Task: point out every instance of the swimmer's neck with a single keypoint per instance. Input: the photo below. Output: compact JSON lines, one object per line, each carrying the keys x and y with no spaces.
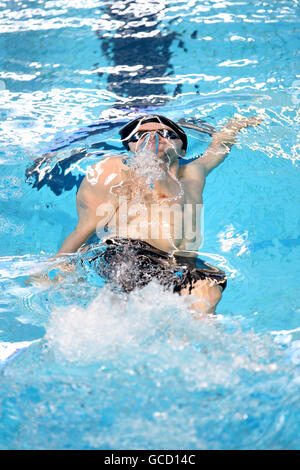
{"x":170,"y":166}
{"x":171,"y":170}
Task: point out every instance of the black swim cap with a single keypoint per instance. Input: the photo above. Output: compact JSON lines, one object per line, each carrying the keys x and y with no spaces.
{"x":126,"y":131}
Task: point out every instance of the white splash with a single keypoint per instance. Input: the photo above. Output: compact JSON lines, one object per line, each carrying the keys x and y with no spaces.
{"x":113,"y":323}
{"x":146,"y":164}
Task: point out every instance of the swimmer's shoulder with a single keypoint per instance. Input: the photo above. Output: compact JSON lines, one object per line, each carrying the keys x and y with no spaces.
{"x":194,"y":170}
{"x":100,"y":171}
{"x":109,"y":163}
{"x":101,"y":176}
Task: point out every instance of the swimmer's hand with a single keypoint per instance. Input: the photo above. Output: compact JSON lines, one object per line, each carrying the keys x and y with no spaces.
{"x":53,"y":275}
{"x":240,"y":122}
{"x":37,"y":279}
{"x":224,"y":139}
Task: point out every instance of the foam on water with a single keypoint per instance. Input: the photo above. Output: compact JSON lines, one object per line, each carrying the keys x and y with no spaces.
{"x":158,"y":324}
{"x":138,"y":371}
{"x":114,"y":323}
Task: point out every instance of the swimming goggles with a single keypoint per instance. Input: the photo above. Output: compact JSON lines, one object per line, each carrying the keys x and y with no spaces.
{"x":165,"y":133}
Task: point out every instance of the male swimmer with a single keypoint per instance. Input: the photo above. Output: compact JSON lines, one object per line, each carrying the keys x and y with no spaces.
{"x":146,"y":202}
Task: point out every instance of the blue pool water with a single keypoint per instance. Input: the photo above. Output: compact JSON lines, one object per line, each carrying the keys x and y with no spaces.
{"x":82,"y":367}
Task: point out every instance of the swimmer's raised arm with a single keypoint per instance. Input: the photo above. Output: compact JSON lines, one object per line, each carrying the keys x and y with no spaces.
{"x":223,"y":140}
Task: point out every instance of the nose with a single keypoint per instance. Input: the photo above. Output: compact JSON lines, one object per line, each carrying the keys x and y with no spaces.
{"x":151,"y":139}
{"x":153,"y":135}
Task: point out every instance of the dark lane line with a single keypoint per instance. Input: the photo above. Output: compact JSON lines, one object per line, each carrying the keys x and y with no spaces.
{"x":143,"y":43}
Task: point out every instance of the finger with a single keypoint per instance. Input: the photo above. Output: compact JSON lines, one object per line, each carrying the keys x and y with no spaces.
{"x":254,"y":121}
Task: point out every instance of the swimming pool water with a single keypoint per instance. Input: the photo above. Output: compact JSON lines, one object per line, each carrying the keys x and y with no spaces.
{"x":82,"y":367}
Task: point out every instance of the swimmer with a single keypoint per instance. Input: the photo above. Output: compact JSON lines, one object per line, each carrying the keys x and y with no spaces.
{"x":141,"y":200}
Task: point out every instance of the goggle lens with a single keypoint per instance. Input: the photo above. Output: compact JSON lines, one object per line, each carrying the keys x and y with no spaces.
{"x":165,"y":133}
